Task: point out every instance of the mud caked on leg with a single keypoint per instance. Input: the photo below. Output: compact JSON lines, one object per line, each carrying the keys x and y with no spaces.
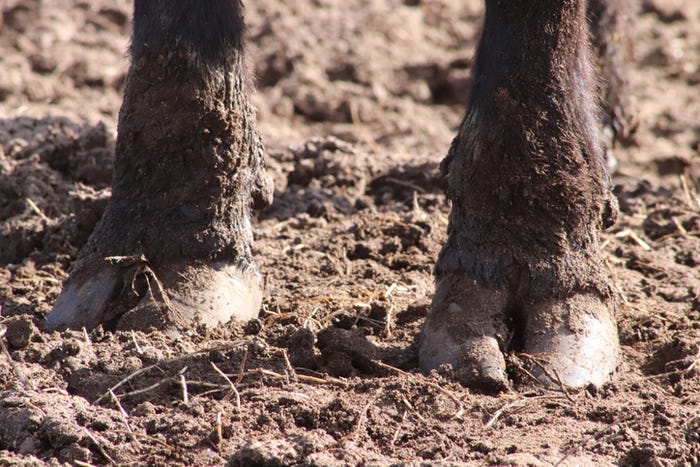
{"x":173,"y":246}
{"x":526,"y":175}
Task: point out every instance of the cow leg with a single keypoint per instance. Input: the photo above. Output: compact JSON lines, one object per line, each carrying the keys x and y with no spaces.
{"x":527,"y":179}
{"x":173,"y":246}
{"x":609,"y":20}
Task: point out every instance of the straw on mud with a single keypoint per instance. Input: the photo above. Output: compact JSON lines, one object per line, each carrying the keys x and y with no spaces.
{"x":517,"y":404}
{"x":552,"y":377}
{"x":689,"y":197}
{"x":679,"y":226}
{"x":631,"y":234}
{"x":124,"y":415}
{"x":389,"y":321}
{"x":143,"y":370}
{"x":362,"y":129}
{"x":410,"y":408}
{"x":136,"y":344}
{"x":83,"y":464}
{"x":146,"y":389}
{"x":310,"y":319}
{"x":219,"y":431}
{"x":99,"y":447}
{"x":185,"y":395}
{"x":233,"y":390}
{"x":18,"y":371}
{"x":290,"y":368}
{"x":458,"y":403}
{"x":241,"y":369}
{"x":398,"y":428}
{"x":38,"y":211}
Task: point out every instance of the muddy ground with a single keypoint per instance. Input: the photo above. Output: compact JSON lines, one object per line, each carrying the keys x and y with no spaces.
{"x":358,"y":101}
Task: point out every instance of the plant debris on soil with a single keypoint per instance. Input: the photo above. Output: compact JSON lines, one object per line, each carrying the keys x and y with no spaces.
{"x":357,"y":103}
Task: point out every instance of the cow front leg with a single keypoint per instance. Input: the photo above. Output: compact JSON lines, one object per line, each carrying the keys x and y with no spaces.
{"x":174,"y":244}
{"x":528,"y":184}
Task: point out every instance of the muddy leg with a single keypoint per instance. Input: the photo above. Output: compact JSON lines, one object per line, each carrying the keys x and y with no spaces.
{"x":526,"y":175}
{"x":610,"y":24}
{"x":173,"y":246}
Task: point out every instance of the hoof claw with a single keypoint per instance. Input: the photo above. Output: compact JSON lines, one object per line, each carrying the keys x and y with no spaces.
{"x":575,"y":340}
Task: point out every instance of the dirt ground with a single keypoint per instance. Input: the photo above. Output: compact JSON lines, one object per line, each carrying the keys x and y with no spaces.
{"x":358,"y":101}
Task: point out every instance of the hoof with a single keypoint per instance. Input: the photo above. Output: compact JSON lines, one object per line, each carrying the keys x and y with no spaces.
{"x":83,"y":304}
{"x":574,"y":341}
{"x":464,"y":329}
{"x":175,"y":296}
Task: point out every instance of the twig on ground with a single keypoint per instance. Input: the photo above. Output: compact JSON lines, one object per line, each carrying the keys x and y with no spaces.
{"x":629,"y":233}
{"x":460,"y":407}
{"x":405,"y":184}
{"x":136,"y":344}
{"x":83,"y":464}
{"x":691,"y":199}
{"x":413,"y":411}
{"x":124,"y":415}
{"x":555,"y":378}
{"x":241,"y":369}
{"x":38,"y":211}
{"x":290,"y":368}
{"x":519,"y":403}
{"x":233,"y":390}
{"x":219,"y":431}
{"x":99,"y":447}
{"x":398,"y":428}
{"x":165,"y":362}
{"x":185,"y":395}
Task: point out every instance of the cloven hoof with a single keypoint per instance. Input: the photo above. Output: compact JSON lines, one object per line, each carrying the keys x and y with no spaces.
{"x":571,"y":342}
{"x":178,"y":296}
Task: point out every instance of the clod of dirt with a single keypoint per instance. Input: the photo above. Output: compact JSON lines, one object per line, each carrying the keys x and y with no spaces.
{"x":347,"y":351}
{"x":272,"y":453}
{"x":20,"y":330}
{"x":330,"y":161}
{"x":301,"y":349}
{"x":676,"y":356}
{"x":642,"y":456}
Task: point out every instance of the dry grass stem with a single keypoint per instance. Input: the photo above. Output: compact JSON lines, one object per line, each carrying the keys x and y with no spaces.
{"x":516,"y":405}
{"x":629,"y":233}
{"x":167,"y":362}
{"x":124,"y":415}
{"x":219,"y":431}
{"x":233,"y":390}
{"x":552,"y":375}
{"x":80,"y":463}
{"x":460,"y":407}
{"x":185,"y":395}
{"x":38,"y":211}
{"x":99,"y":447}
{"x":136,"y":344}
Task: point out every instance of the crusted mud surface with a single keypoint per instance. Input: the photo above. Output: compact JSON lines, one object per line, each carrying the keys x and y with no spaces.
{"x":357,"y":101}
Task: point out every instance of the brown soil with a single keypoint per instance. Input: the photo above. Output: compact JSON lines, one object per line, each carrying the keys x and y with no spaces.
{"x":358,"y":101}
